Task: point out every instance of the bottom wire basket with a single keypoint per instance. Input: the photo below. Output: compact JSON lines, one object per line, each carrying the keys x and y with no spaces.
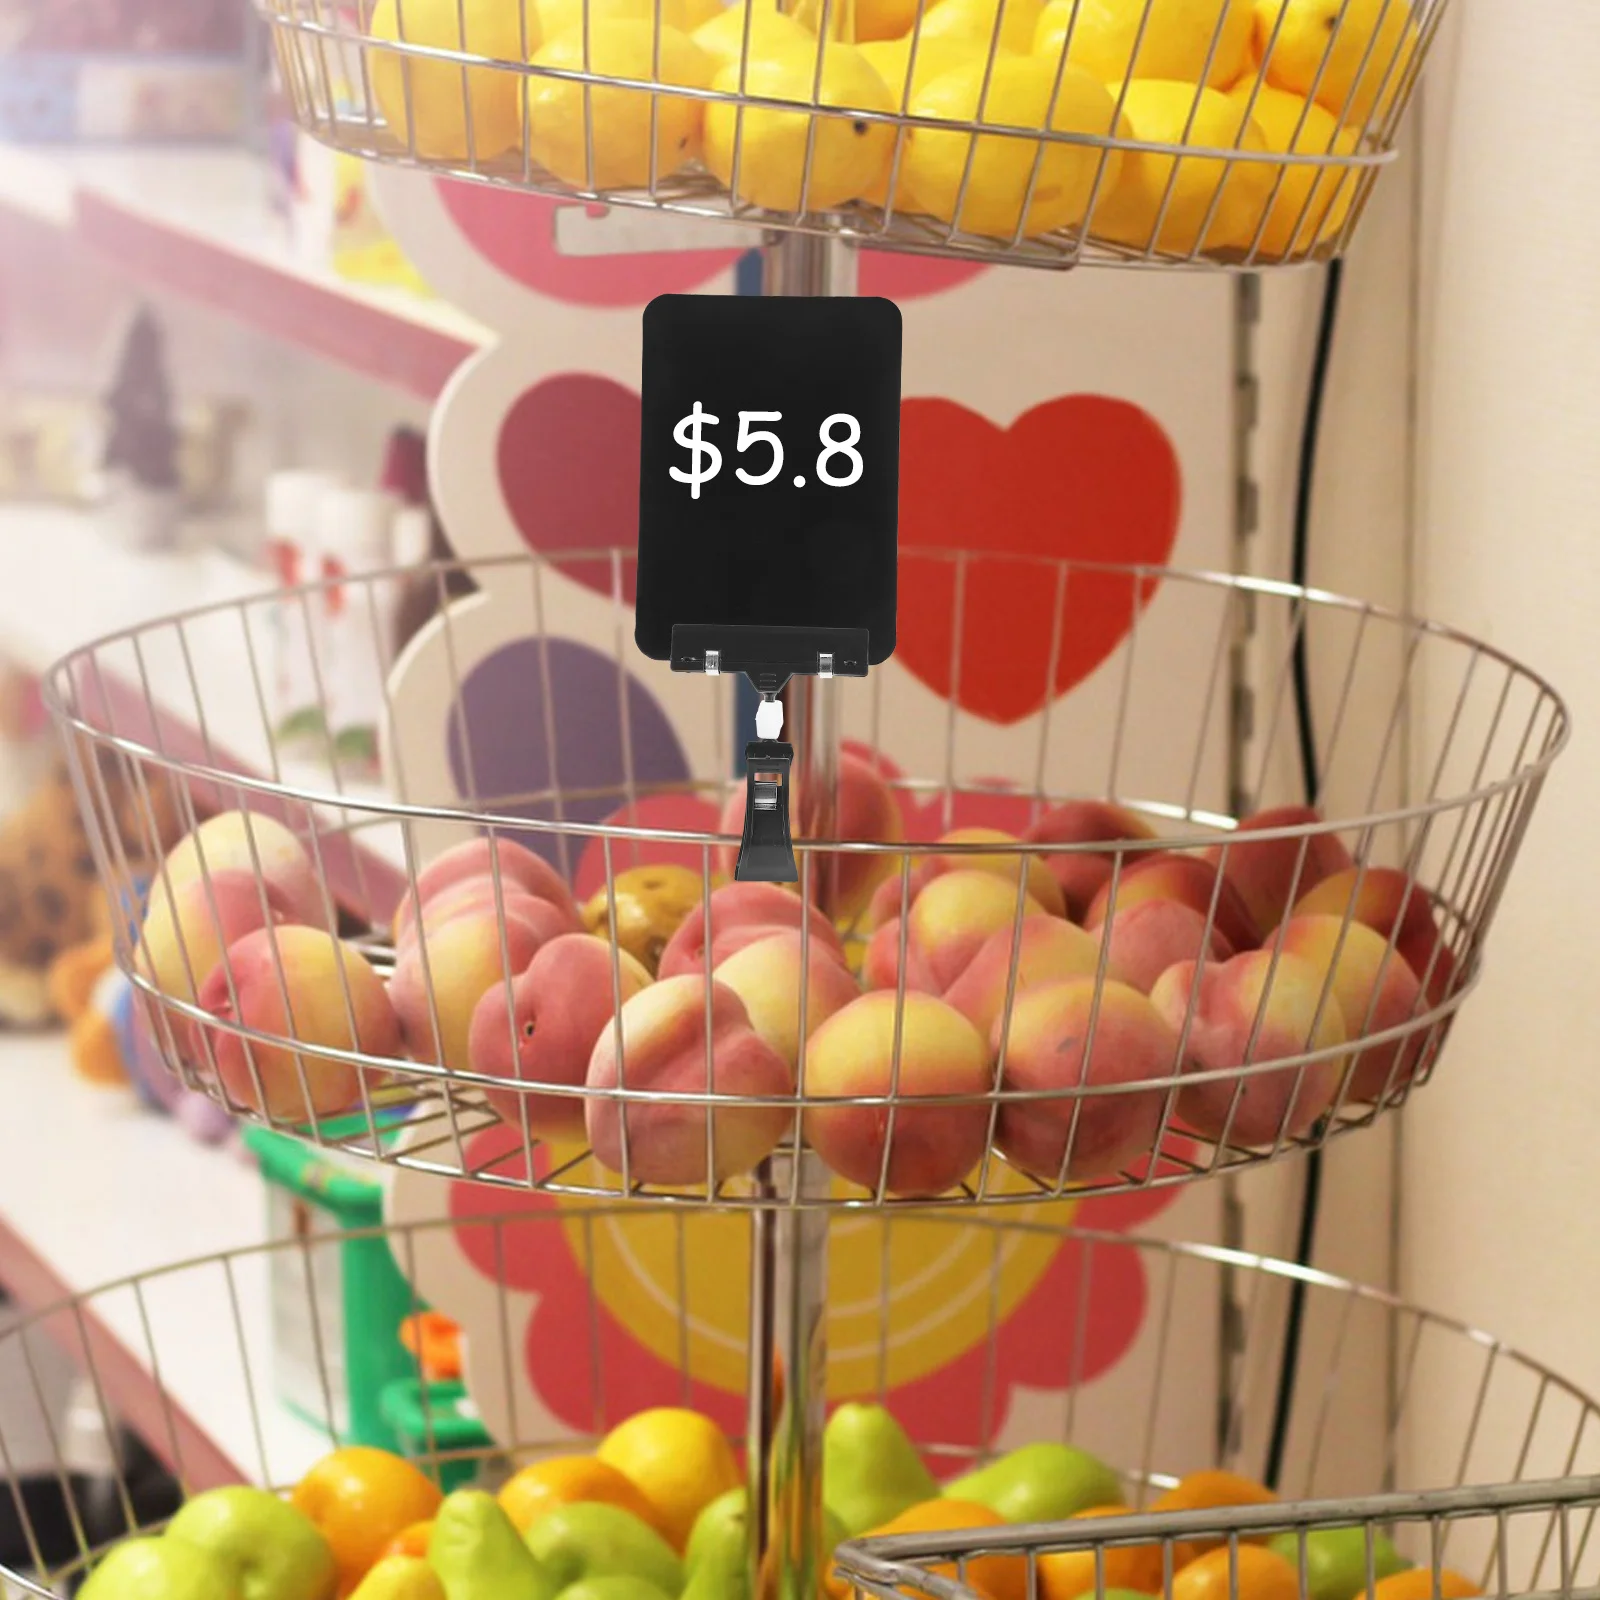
{"x":242,"y":1366}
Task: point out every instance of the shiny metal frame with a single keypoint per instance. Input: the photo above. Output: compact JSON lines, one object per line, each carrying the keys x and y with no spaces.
{"x":1478,"y":767}
{"x":1460,"y":1408}
{"x":338,"y":77}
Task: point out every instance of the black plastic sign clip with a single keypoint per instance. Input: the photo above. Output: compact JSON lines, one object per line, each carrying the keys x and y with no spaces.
{"x":766,"y":854}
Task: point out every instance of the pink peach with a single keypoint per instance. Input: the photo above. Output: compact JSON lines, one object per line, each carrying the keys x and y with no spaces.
{"x":1148,"y":937}
{"x":881,"y":967}
{"x":1231,"y":1006}
{"x":477,"y":897}
{"x":1270,"y":875}
{"x":1375,"y":990}
{"x":956,"y":914}
{"x":895,"y":894}
{"x":665,"y":1049}
{"x":1170,"y":875}
{"x":1062,"y":1042}
{"x":518,"y":867}
{"x":246,"y":841}
{"x":741,"y":913}
{"x":457,"y":964}
{"x":302,"y":985}
{"x":558,"y":1009}
{"x":1380,"y":897}
{"x":1082,"y":873}
{"x":766,"y":976}
{"x":1050,"y":949}
{"x":185,"y":932}
{"x":929,"y":1147}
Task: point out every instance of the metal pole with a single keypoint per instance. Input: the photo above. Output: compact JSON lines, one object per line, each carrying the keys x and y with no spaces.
{"x":788,"y":1380}
{"x":789,"y":1245}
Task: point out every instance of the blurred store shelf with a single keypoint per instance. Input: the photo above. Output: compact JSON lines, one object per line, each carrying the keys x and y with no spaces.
{"x":197,"y":223}
{"x":72,"y":1155}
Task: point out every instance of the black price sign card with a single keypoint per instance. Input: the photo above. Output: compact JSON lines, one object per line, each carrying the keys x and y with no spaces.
{"x":769,"y":483}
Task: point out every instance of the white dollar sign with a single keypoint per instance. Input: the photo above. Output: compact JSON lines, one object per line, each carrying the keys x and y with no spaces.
{"x":687,"y":433}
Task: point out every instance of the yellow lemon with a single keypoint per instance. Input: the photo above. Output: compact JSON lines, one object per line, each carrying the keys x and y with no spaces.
{"x":893,"y":60}
{"x":680,"y":1460}
{"x":1184,"y":39}
{"x":1002,"y":164}
{"x":1355,"y":52}
{"x":1306,"y":204}
{"x":696,"y":13}
{"x":976,"y":22}
{"x":616,"y":122}
{"x":556,"y":17}
{"x":435,"y":108}
{"x":1201,"y":202}
{"x":885,"y":19}
{"x":723,"y":37}
{"x":848,"y":155}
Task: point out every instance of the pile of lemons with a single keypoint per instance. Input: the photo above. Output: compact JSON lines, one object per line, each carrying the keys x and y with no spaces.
{"x":1279,"y":78}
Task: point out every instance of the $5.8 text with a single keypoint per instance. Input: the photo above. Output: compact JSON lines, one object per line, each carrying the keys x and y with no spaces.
{"x":838,"y":465}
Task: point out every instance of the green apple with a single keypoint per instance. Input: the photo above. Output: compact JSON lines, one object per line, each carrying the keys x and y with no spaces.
{"x":619,"y":1586}
{"x":871,"y":1471}
{"x":591,"y":1539}
{"x":273,"y":1551}
{"x":1336,"y":1560}
{"x":1040,"y":1483}
{"x":479,"y":1555}
{"x":160,"y":1569}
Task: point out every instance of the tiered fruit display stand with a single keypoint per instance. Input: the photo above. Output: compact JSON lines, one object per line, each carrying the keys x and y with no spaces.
{"x":1423,"y":879}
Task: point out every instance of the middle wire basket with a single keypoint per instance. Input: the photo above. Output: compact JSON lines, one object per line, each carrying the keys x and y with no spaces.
{"x":1046,"y":951}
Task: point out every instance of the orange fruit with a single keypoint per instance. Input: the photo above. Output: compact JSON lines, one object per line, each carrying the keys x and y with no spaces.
{"x":1211,"y":1490}
{"x":1261,"y":1574}
{"x":571,"y":1480}
{"x":412,"y":1541}
{"x":1069,"y":1573}
{"x":361,"y":1499}
{"x":1418,"y":1584}
{"x":995,"y":1577}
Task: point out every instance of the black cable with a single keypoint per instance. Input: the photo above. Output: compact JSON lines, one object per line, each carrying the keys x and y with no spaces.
{"x":1311,"y":779}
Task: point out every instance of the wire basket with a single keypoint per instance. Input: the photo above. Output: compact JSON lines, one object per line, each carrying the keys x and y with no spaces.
{"x":1032,"y":1027}
{"x":1388,"y":1395}
{"x":1214,"y":134}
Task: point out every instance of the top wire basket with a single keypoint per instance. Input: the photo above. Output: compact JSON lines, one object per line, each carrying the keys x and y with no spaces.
{"x":1051,"y":960}
{"x":1040,"y":132}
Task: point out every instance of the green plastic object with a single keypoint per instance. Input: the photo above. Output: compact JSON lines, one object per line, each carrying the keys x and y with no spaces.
{"x":357,"y":1299}
{"x":436,"y":1419}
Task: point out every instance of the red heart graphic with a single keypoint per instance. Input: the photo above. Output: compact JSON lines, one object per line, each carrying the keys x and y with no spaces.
{"x":1083,"y":477}
{"x":515,"y":233}
{"x":569,"y":470}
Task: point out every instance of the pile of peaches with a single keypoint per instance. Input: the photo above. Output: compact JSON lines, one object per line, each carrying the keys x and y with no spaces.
{"x":1067,"y":998}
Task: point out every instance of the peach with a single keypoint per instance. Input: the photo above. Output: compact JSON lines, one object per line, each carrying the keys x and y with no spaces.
{"x":1380,"y":897}
{"x":881,"y":967}
{"x":956,"y":914}
{"x":1171,"y":875}
{"x":766,"y":976}
{"x":461,"y":962}
{"x":1270,"y":874}
{"x":1152,"y":935}
{"x":185,"y":932}
{"x":1051,"y":949}
{"x":477,"y":896}
{"x":1049,"y":1047}
{"x":301,"y":984}
{"x":1375,"y":990}
{"x":930,"y":1148}
{"x":557,"y":1010}
{"x":741,"y":914}
{"x":865,"y":810}
{"x":887,"y":897}
{"x":1041,"y":885}
{"x":518,"y":866}
{"x":1082,"y":873}
{"x":246,"y":841}
{"x":1226,"y":1002}
{"x":665,"y":1049}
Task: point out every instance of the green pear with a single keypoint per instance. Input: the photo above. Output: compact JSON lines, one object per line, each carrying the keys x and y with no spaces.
{"x":479,"y":1555}
{"x":723,"y":1572}
{"x":592,"y":1539}
{"x":273,"y":1551}
{"x":161,"y":1569}
{"x":721,"y":1531}
{"x":618,"y":1586}
{"x":871,"y":1471}
{"x":1336,"y":1560}
{"x":1040,"y":1483}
